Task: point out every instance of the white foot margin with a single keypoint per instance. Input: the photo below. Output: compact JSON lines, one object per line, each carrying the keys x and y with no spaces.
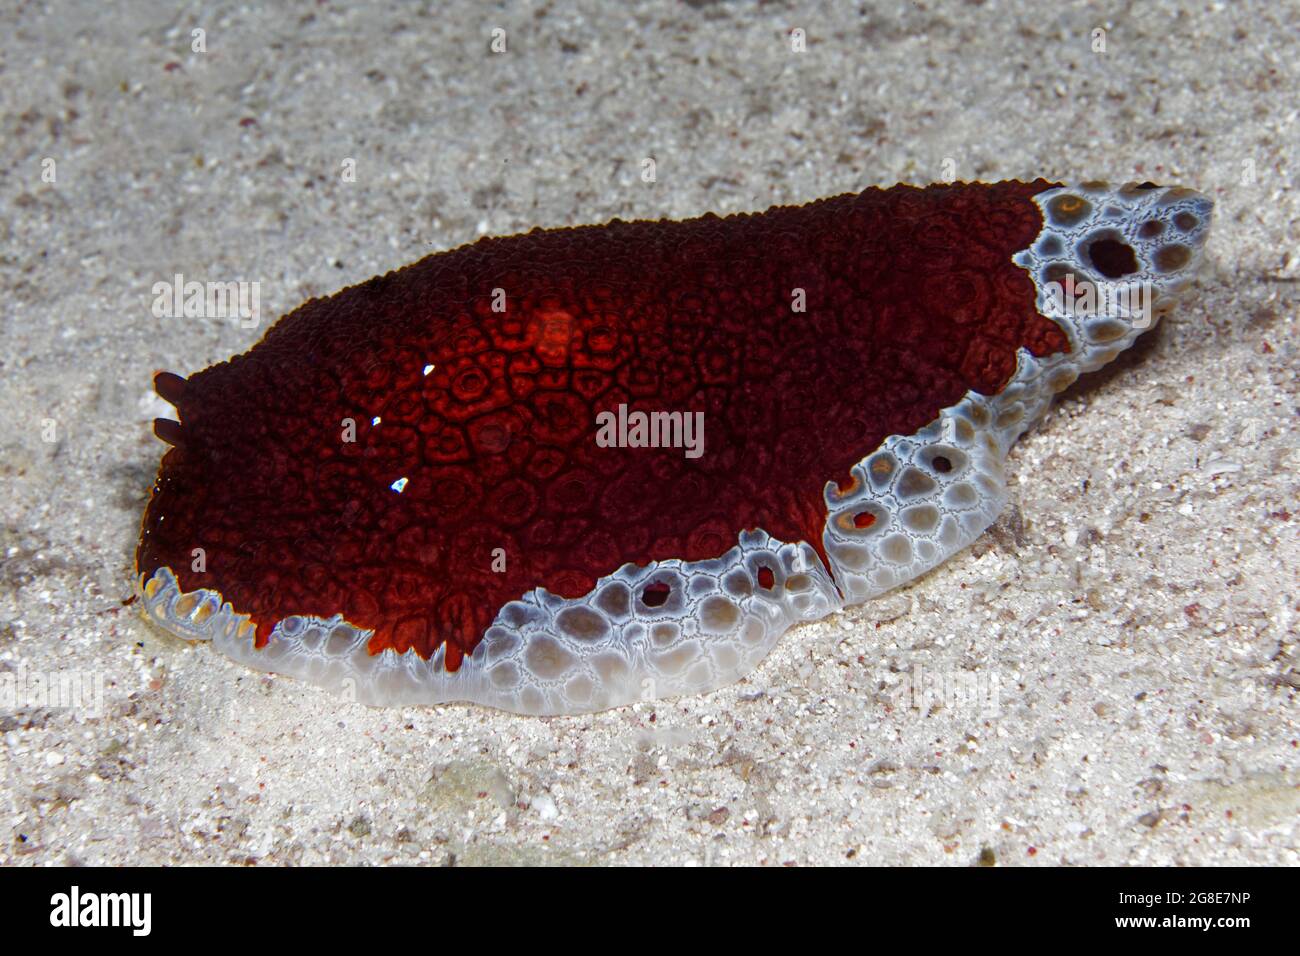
{"x":545,"y":654}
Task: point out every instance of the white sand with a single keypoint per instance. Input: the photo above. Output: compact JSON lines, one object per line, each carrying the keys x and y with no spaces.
{"x":1138,"y":615}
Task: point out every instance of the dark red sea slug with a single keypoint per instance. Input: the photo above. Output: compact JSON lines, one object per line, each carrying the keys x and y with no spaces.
{"x":534,"y":470}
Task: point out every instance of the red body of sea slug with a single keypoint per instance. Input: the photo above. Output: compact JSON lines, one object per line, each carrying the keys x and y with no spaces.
{"x":565,"y":470}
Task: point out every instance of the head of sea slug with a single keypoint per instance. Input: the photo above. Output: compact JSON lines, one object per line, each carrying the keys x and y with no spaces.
{"x":1110,"y":260}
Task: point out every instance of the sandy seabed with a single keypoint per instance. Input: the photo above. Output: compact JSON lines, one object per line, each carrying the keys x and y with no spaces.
{"x":1132,"y":616}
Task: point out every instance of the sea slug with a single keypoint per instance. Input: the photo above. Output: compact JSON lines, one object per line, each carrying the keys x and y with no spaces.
{"x":567,"y":470}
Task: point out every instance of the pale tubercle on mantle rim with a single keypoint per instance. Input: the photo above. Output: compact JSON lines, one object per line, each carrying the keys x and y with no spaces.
{"x":720,"y":625}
